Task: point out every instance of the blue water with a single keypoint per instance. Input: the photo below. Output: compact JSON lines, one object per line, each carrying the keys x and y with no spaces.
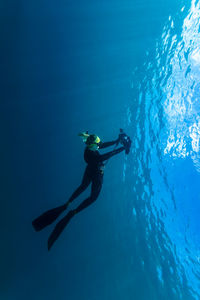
{"x":99,"y":66}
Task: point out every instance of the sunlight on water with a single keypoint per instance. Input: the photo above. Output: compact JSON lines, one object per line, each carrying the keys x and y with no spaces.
{"x":179,"y":84}
{"x":167,"y":126}
{"x":182,"y":105}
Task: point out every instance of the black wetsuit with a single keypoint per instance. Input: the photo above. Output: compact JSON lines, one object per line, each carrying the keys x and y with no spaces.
{"x":93,"y":173}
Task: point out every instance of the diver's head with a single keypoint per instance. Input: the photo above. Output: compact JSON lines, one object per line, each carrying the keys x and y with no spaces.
{"x":92,"y":142}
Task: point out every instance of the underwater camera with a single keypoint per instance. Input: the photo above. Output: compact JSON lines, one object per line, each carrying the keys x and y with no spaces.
{"x":125,"y":140}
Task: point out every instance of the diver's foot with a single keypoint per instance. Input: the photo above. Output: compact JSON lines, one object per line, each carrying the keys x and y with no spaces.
{"x":59,"y":228}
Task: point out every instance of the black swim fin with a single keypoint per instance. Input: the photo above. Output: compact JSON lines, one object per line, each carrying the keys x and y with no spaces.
{"x":59,"y":228}
{"x":48,"y":217}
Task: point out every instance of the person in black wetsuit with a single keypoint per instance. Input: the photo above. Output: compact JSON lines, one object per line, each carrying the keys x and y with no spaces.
{"x":93,"y":174}
{"x":94,"y":170}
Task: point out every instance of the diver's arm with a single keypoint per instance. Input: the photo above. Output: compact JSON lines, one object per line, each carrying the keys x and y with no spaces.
{"x":107,"y":144}
{"x":110,"y":154}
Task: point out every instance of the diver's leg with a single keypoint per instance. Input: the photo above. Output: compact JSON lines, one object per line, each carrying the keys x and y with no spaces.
{"x":96,"y":188}
{"x":84,"y":184}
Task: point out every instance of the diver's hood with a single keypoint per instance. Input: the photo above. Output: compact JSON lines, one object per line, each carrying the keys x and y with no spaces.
{"x":91,"y":140}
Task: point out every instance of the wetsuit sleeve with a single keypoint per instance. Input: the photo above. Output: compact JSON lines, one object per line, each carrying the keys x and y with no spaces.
{"x":110,"y":154}
{"x":107,"y":144}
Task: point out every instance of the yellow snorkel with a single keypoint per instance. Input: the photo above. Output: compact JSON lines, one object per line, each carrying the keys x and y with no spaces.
{"x":84,"y":136}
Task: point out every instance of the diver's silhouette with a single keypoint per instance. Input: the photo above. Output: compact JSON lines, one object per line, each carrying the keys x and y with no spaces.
{"x":93,"y":175}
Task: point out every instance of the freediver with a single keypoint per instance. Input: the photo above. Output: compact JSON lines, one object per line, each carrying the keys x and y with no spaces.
{"x":93,"y":175}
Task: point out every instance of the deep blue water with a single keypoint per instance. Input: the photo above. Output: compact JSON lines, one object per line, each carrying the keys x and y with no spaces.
{"x":99,"y":66}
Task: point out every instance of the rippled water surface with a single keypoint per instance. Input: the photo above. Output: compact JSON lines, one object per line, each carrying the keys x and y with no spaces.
{"x":167,"y":129}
